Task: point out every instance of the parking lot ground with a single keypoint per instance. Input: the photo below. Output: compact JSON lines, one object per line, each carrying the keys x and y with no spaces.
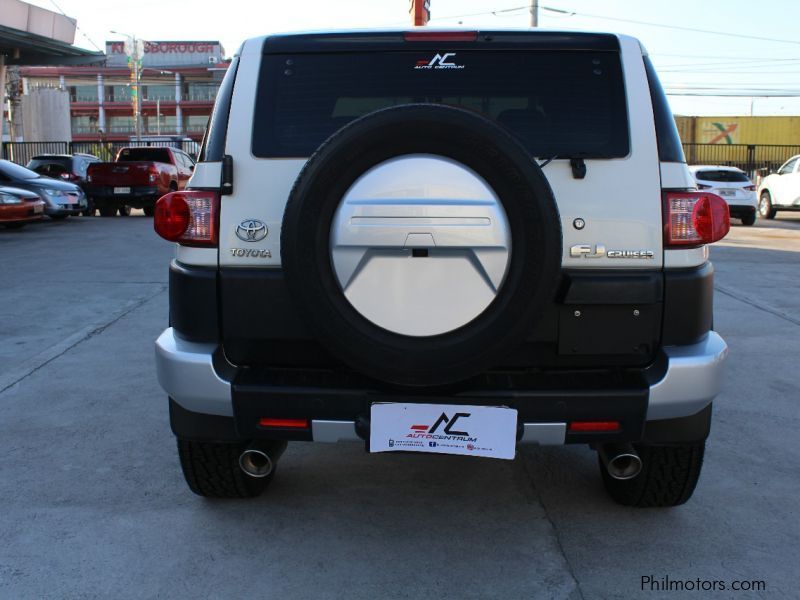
{"x":92,"y":503}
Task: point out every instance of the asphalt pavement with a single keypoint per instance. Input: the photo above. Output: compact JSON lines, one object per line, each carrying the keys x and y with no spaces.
{"x":93,"y":505}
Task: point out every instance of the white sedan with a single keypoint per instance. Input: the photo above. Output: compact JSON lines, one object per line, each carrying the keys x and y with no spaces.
{"x":781,"y":190}
{"x":732,"y":185}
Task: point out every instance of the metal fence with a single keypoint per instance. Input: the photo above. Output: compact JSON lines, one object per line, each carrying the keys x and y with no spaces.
{"x":22,"y":152}
{"x":754,"y":159}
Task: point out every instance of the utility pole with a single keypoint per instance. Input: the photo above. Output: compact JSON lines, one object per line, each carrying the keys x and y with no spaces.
{"x":420,"y":12}
{"x":534,"y":13}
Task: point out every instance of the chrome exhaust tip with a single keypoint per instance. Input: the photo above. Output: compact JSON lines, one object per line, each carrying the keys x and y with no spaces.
{"x":620,"y":460}
{"x":260,"y":457}
{"x":255,"y":463}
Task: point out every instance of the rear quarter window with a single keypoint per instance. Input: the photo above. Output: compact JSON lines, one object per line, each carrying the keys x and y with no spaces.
{"x":557,"y":103}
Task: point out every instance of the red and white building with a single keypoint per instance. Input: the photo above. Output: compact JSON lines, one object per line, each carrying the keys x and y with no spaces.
{"x":178,"y":85}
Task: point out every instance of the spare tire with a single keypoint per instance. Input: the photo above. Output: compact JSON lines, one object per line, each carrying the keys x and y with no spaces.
{"x":421,"y":243}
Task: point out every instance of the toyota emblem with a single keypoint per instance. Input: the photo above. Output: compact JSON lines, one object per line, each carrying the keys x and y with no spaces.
{"x":251,"y":230}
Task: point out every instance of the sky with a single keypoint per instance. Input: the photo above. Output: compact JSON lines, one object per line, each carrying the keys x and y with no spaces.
{"x":722,"y":47}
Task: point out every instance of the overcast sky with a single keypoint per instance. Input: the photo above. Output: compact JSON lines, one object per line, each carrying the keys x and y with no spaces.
{"x":696,"y":62}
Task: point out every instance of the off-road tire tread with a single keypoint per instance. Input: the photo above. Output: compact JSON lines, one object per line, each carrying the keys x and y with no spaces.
{"x":211,"y":469}
{"x":668,"y":478}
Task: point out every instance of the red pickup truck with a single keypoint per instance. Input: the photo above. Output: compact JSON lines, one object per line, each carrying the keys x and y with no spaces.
{"x":138,"y":178}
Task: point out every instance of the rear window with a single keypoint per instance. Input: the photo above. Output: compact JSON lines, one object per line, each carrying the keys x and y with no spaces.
{"x":51,"y":162}
{"x":722,"y":176}
{"x":144,"y":154}
{"x":563,"y":103}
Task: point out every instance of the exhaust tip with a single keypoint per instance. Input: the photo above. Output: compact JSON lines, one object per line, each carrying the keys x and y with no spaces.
{"x":621,"y":461}
{"x":625,"y":466}
{"x":255,"y":463}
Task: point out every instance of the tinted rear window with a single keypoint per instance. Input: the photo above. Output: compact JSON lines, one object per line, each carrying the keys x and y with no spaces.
{"x":557,"y":103}
{"x":144,"y":154}
{"x":723,"y":176}
{"x":64,"y":162}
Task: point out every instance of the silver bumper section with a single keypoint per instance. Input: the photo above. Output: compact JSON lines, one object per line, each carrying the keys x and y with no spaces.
{"x":693,"y":378}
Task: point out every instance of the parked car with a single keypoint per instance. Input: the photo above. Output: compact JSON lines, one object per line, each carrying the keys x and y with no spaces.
{"x":732,"y":185}
{"x":62,"y":199}
{"x":393,"y":238}
{"x":69,"y":167}
{"x":138,"y":178}
{"x":781,"y":190}
{"x":19,"y":207}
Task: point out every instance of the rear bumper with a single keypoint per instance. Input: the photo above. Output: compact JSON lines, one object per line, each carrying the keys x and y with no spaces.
{"x":738,"y":211}
{"x":105,"y":194}
{"x":682,"y":384}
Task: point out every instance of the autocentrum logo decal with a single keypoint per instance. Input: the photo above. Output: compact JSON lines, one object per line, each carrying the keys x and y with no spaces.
{"x":440,"y":61}
{"x":429,"y":432}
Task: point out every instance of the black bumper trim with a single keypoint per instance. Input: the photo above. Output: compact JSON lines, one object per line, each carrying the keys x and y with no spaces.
{"x":193,"y":302}
{"x":539,"y":397}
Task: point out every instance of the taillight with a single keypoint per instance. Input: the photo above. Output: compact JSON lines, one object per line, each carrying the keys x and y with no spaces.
{"x":750,"y":188}
{"x":152,"y":174}
{"x":694,"y":218}
{"x":440,"y":36}
{"x":190,"y":218}
{"x":702,"y":186}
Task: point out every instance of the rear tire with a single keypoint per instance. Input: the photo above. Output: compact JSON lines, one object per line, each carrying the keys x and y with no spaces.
{"x":108,"y":211}
{"x":211,"y":470}
{"x":58,"y":217}
{"x":149,"y":211}
{"x":14,"y":225}
{"x":668,"y":477}
{"x":765,"y":208}
{"x":749,"y":220}
{"x":124,"y":211}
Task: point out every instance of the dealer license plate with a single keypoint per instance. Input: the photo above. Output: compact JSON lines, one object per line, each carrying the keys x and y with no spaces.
{"x":443,"y":429}
{"x":122,"y":190}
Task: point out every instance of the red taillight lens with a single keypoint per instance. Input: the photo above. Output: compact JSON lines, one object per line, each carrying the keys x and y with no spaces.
{"x":283,"y":423}
{"x":189,"y":218}
{"x":152,"y":174}
{"x":694,"y":218}
{"x":440,"y":36}
{"x":750,"y":188}
{"x":591,"y":426}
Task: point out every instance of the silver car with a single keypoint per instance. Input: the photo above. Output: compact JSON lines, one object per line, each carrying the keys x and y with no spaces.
{"x":61,"y":199}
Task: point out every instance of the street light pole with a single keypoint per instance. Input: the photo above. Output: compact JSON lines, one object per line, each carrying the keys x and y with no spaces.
{"x":137,"y":75}
{"x":136,"y":72}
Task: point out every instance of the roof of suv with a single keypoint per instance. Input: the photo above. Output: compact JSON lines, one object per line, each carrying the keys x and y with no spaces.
{"x":375,"y":39}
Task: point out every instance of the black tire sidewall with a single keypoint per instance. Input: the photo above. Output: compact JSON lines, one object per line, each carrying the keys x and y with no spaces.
{"x":533,"y":218}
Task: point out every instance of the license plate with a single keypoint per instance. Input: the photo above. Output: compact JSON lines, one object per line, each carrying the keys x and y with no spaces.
{"x":489,"y":431}
{"x":122,"y":190}
{"x":727,"y":192}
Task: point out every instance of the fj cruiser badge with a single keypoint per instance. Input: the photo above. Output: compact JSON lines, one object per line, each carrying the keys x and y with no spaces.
{"x":251,"y":230}
{"x":599,"y":251}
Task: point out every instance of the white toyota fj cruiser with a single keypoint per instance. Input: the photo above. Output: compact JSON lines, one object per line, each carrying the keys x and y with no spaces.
{"x":442,"y":241}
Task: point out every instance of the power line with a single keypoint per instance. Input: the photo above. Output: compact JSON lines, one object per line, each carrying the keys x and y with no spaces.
{"x":676,"y":27}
